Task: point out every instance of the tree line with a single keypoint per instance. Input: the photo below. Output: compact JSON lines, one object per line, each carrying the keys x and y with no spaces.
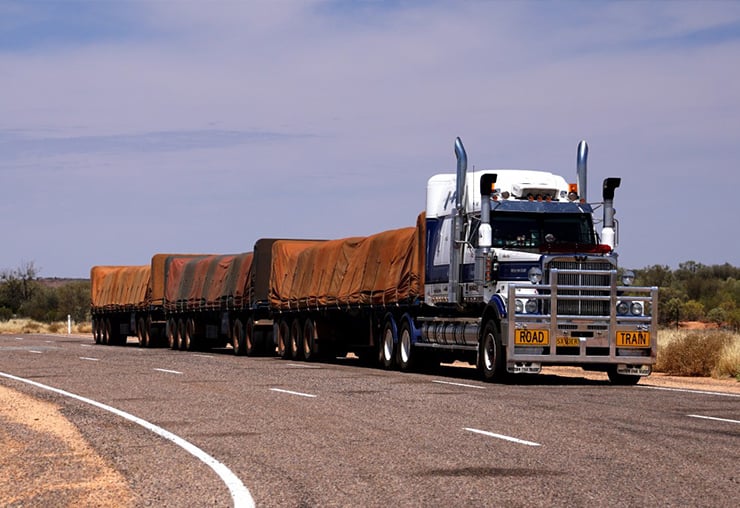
{"x":23,"y":294}
{"x":693,"y":292}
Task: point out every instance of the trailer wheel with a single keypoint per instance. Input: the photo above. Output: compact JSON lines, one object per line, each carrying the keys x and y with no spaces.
{"x":309,"y":340}
{"x":172,"y":333}
{"x":106,"y":332}
{"x":237,"y":338}
{"x":405,"y":358}
{"x":141,"y":333}
{"x":283,"y":339}
{"x":179,"y":334}
{"x":490,"y":353}
{"x":188,"y":338}
{"x":96,"y":330}
{"x":296,"y":339}
{"x":621,"y":379}
{"x":250,"y":348}
{"x":387,"y":346}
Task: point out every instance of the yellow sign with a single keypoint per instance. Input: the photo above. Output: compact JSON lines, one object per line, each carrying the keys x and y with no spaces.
{"x":633,"y":339}
{"x":532,"y":337}
{"x":568,"y":342}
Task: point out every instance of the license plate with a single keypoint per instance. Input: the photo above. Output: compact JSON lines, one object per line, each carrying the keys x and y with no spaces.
{"x":633,"y":339}
{"x":568,"y":342}
{"x":532,"y":337}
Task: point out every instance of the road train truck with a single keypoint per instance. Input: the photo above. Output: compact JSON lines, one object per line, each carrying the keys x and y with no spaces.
{"x":505,"y":270}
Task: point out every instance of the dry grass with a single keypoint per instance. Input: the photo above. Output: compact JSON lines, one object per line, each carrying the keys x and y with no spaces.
{"x":30,"y":326}
{"x":712,"y":353}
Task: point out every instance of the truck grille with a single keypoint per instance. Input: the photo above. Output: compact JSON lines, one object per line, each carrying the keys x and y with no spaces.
{"x":583,"y":306}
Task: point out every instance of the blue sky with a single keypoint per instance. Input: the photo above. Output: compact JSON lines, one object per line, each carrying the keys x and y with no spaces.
{"x":134,"y":127}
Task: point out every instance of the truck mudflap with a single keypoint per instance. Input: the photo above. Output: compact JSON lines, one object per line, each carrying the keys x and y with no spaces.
{"x":552,"y":336}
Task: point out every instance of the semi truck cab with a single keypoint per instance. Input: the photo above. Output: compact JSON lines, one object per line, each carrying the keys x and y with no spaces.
{"x":516,"y":269}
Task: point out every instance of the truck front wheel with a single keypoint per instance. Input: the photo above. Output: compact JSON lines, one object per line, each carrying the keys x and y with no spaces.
{"x":621,"y":379}
{"x":491,"y":363}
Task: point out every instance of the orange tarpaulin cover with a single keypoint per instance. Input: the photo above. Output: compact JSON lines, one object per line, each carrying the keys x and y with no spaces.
{"x":385,"y":268}
{"x":118,"y":287}
{"x":207,"y":282}
{"x":157,"y":283}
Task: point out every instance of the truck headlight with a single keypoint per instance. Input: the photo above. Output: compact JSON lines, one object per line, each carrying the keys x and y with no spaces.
{"x":636,"y":309}
{"x":531,"y":306}
{"x":628,"y":278}
{"x":534,"y":275}
{"x":622,"y":308}
{"x":519,"y":306}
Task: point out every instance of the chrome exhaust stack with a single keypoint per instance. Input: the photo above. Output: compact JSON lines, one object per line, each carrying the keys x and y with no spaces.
{"x":454,"y":289}
{"x":608,"y":233}
{"x":581,"y":170}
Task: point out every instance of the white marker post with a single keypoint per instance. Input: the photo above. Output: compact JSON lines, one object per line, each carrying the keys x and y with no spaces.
{"x":69,"y":324}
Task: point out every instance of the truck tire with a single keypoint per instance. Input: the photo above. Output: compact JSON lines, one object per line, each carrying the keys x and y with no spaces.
{"x":142,"y":333}
{"x":180,"y":334}
{"x":188,"y":337}
{"x":621,"y":379}
{"x":405,"y":358}
{"x":250,"y":346}
{"x":490,"y":353}
{"x":97,"y":336}
{"x":106,"y":332}
{"x":309,"y":340}
{"x":387,"y":345}
{"x":237,"y":338}
{"x":283,"y":339}
{"x":296,"y":339}
{"x":172,"y":333}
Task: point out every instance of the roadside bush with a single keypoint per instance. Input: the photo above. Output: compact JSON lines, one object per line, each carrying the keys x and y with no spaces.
{"x":5,"y":313}
{"x":729,"y":361}
{"x":695,"y":354}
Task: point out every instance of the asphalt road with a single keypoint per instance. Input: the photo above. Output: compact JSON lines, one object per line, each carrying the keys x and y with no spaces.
{"x":318,"y":434}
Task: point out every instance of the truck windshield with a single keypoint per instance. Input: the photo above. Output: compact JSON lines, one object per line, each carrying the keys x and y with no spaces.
{"x":531,"y":231}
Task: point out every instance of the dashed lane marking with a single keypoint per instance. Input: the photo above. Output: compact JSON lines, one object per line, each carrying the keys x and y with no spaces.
{"x":301,"y":366}
{"x":36,"y":352}
{"x":726,"y":420}
{"x":89,"y":358}
{"x":502,"y":436}
{"x":240,"y":495}
{"x":293,"y":393}
{"x":169,"y":371}
{"x":458,"y":384}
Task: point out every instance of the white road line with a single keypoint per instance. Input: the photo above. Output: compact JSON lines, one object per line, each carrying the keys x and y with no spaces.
{"x":726,"y":420}
{"x":501,"y":436}
{"x":240,"y":495}
{"x":85,"y":345}
{"x":302,"y":366}
{"x":684,"y":390}
{"x":169,"y":371}
{"x":202,"y":355}
{"x":293,"y":393}
{"x":19,"y":338}
{"x":34,"y":351}
{"x":88,"y":358}
{"x":458,"y":384}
